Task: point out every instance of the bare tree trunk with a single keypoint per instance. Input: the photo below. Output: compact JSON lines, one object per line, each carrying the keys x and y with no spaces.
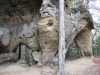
{"x":61,"y":68}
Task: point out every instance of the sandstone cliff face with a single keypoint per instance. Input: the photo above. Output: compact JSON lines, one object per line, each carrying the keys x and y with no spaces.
{"x":47,"y":32}
{"x":18,"y":21}
{"x":78,"y":26}
{"x":23,"y":26}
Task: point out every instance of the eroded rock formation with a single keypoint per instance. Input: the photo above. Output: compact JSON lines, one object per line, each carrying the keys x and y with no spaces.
{"x":18,"y":21}
{"x":47,"y":33}
{"x":78,"y":26}
{"x":22,"y":23}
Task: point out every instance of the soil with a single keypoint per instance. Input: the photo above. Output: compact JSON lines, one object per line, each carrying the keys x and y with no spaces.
{"x":80,"y":66}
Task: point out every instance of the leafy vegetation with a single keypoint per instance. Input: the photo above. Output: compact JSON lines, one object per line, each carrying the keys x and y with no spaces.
{"x":22,"y":52}
{"x":96,"y":39}
{"x":73,"y":52}
{"x":70,"y":3}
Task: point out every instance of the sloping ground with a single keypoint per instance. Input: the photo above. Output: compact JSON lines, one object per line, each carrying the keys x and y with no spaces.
{"x":82,"y":66}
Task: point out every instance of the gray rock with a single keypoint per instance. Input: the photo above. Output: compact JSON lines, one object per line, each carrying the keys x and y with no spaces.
{"x":8,"y":57}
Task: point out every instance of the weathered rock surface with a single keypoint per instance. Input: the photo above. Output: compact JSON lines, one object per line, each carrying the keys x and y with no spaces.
{"x":8,"y":57}
{"x":47,"y":33}
{"x":78,"y":25}
{"x":18,"y":21}
{"x":21,"y":26}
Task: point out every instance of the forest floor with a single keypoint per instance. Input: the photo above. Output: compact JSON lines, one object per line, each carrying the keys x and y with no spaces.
{"x":80,"y":66}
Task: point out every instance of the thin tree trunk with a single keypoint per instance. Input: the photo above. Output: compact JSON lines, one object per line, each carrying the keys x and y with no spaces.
{"x":61,"y":68}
